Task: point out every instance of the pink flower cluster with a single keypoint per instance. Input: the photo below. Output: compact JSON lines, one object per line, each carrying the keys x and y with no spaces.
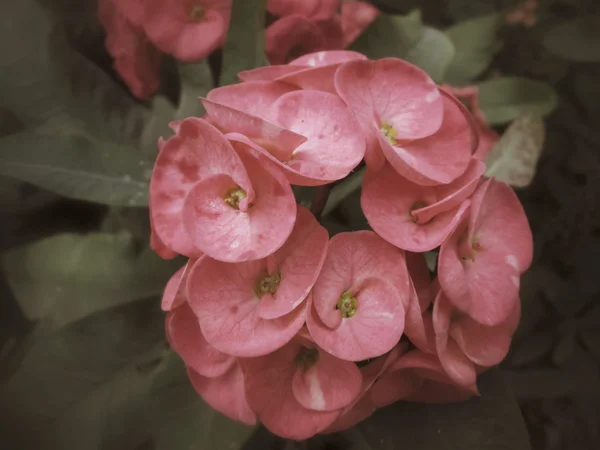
{"x":138,"y":32}
{"x":307,"y":26}
{"x":279,"y":323}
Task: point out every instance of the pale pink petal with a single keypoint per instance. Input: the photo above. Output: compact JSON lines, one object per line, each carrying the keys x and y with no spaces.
{"x":438,"y":158}
{"x":332,"y":32}
{"x":252,"y":97}
{"x":269,"y":73}
{"x":225,"y":394}
{"x":498,"y":220}
{"x":274,"y":139}
{"x":268,"y":382}
{"x":390,"y":215}
{"x":418,"y":327}
{"x":316,"y":9}
{"x":136,"y":60}
{"x":327,"y":58}
{"x":374,"y":330}
{"x":171,"y":28}
{"x":335,"y":145}
{"x":452,"y":194}
{"x":198,"y":150}
{"x":175,"y":293}
{"x":292,"y":36}
{"x":184,"y":336}
{"x":485,"y":346}
{"x":248,"y":233}
{"x":223,"y":298}
{"x":353,"y":261}
{"x":158,"y":245}
{"x":328,"y":385}
{"x":299,"y":262}
{"x":480,"y":264}
{"x":356,"y":17}
{"x":454,"y":362}
{"x":133,"y":10}
{"x":394,"y":92}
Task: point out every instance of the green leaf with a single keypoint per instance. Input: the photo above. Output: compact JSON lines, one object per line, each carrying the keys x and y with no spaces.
{"x":180,"y":420}
{"x":475,"y":42}
{"x":245,"y":42}
{"x":490,"y":422}
{"x":433,"y":53}
{"x":74,"y":384}
{"x":342,"y":190}
{"x":504,"y":99}
{"x":69,"y":276}
{"x":405,"y":37}
{"x":513,"y":159}
{"x":196,"y":81}
{"x":44,"y":77}
{"x":390,"y":36}
{"x":577,"y":40}
{"x":68,"y":162}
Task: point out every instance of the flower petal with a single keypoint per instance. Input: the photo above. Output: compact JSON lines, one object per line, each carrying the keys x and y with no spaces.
{"x":390,"y":215}
{"x":179,"y":166}
{"x":185,"y":337}
{"x":225,"y":394}
{"x":328,"y":385}
{"x":229,"y":234}
{"x":268,"y":382}
{"x":222,"y":297}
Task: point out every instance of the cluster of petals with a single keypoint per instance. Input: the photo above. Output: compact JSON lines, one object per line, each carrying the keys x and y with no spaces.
{"x":307,"y":26}
{"x":279,"y":322}
{"x":138,"y":32}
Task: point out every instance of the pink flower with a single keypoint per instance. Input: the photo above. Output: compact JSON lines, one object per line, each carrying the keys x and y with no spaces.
{"x":315,"y":9}
{"x":187,"y":29}
{"x":356,"y":17}
{"x":292,"y":36}
{"x":480,"y":263}
{"x":312,"y":71}
{"x":217,"y":377}
{"x":133,"y":10}
{"x":186,"y":339}
{"x":418,"y":377}
{"x":421,"y":130}
{"x":206,"y":198}
{"x":310,"y":135}
{"x":422,"y":217}
{"x":487,"y":136}
{"x":357,"y":307}
{"x":253,"y":308}
{"x":463,"y":344}
{"x":225,"y":393}
{"x":136,"y":60}
{"x":299,"y":390}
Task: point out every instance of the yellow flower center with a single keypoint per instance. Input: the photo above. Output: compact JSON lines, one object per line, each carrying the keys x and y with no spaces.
{"x":347,"y":304}
{"x":234,"y":196}
{"x":389,"y":132}
{"x":267,"y":284}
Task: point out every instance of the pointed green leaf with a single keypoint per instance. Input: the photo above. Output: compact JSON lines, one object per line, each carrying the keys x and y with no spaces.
{"x":433,"y":53}
{"x":475,"y":42}
{"x":504,"y":99}
{"x":407,"y":38}
{"x":390,"y":36}
{"x":577,"y":40}
{"x":68,"y":162}
{"x":68,"y":276}
{"x":245,"y":42}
